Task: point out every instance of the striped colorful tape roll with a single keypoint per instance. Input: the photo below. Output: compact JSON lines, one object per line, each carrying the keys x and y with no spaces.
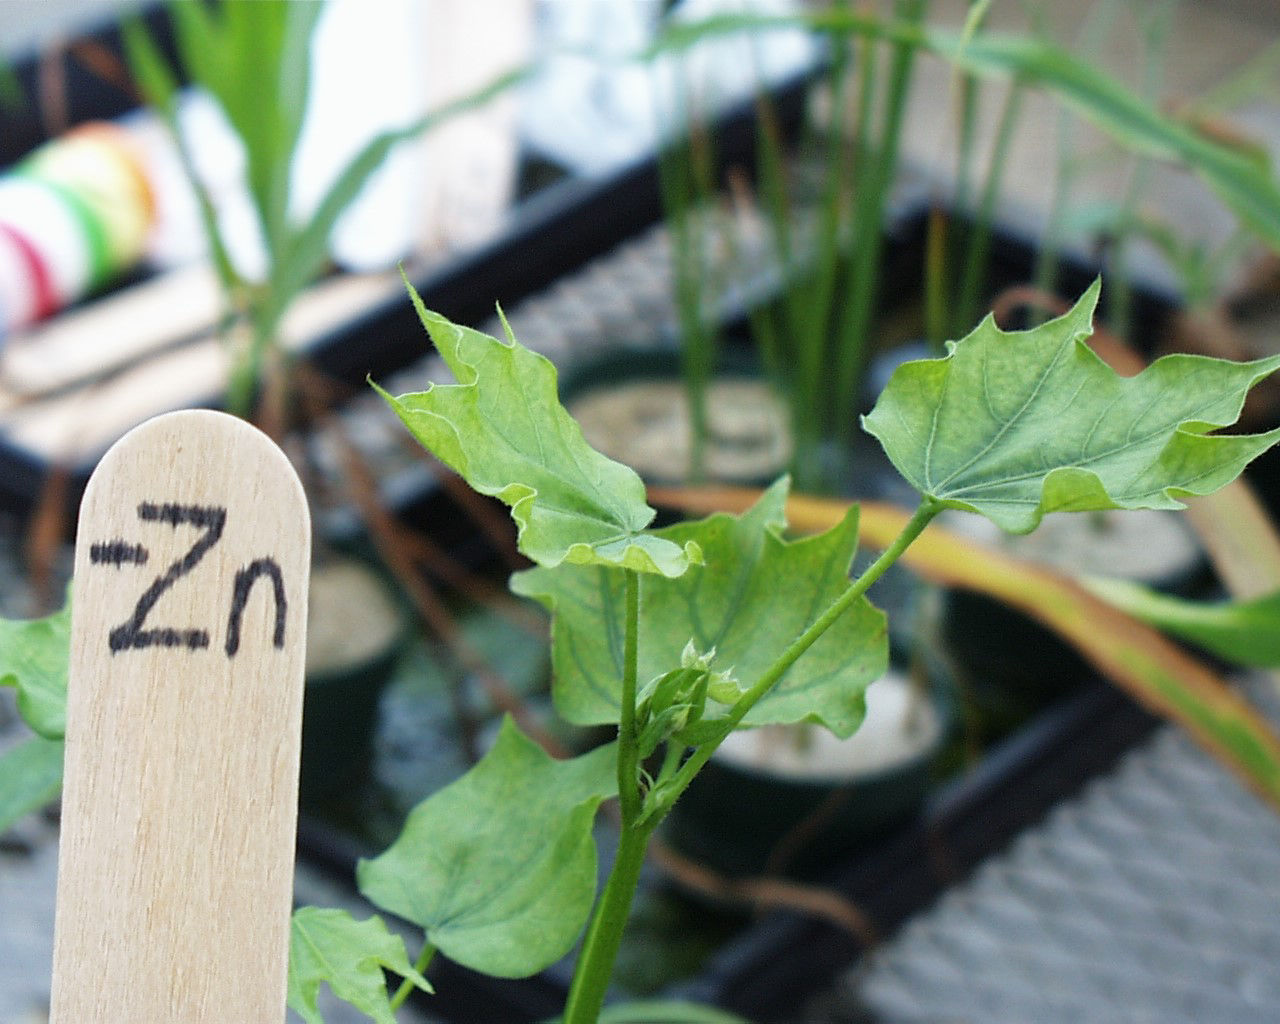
{"x":34,"y":272}
{"x":19,"y":302}
{"x":74,"y":214}
{"x":41,"y":215}
{"x":95,"y":165}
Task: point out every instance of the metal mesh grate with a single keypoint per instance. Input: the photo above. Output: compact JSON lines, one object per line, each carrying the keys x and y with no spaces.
{"x":1154,"y":896}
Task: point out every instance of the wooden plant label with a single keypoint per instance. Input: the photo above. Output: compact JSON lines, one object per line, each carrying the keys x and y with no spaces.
{"x":184,"y":713}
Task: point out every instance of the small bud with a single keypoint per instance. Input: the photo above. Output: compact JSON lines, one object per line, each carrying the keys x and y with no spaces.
{"x":690,"y":658}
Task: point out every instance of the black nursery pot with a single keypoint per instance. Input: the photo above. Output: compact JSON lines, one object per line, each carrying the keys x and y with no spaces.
{"x":633,"y":406}
{"x":346,"y":674}
{"x":746,"y":824}
{"x":1008,"y":666}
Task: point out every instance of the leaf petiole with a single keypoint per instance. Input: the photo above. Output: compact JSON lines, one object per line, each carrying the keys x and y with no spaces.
{"x":407,"y":986}
{"x":924,"y":514}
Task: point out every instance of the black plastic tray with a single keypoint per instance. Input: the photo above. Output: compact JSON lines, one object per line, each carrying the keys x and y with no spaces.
{"x":548,"y":235}
{"x":776,"y":963}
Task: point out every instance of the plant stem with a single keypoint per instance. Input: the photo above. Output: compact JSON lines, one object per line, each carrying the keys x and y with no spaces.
{"x":864,"y":271}
{"x":628,"y":750}
{"x":604,"y":935}
{"x":924,"y":514}
{"x":407,"y":986}
{"x":683,"y":199}
{"x":1097,"y":27}
{"x":810,"y":313}
{"x":967,"y":116}
{"x":979,"y":237}
{"x":1120,"y":302}
{"x":935,"y":284}
{"x":246,"y":370}
{"x":670,"y":761}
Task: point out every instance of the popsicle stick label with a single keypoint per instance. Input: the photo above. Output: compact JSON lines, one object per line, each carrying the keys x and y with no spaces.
{"x":183,"y":729}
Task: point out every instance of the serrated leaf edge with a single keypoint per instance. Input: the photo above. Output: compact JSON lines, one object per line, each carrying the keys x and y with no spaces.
{"x":520,"y":496}
{"x":309,"y":1010}
{"x":1077,"y":325}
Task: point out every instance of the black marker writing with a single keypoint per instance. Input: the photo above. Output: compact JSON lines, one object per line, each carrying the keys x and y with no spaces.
{"x":211,"y":520}
{"x":245,"y":580}
{"x":131,"y":634}
{"x":117,"y":553}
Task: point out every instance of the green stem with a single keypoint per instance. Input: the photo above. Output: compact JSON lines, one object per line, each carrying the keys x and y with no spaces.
{"x":846,"y":327}
{"x":1097,"y":28}
{"x":935,"y":283}
{"x":772,"y":189}
{"x":604,"y":935}
{"x":1046,"y":270}
{"x":628,"y":748}
{"x":246,"y":370}
{"x":864,"y":272}
{"x":683,"y":199}
{"x":924,"y":514}
{"x":967,"y":113}
{"x":979,"y":239}
{"x":1120,"y":303}
{"x":670,"y":759}
{"x":407,"y":986}
{"x":811,"y":319}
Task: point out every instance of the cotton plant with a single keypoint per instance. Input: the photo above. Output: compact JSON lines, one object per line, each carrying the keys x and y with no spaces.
{"x":679,"y":636}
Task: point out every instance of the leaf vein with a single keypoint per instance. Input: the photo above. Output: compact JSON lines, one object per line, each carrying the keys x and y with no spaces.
{"x":1013,"y":420}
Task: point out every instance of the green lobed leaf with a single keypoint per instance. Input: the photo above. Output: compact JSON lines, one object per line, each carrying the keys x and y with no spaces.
{"x":327,"y":945}
{"x":499,"y":867}
{"x":731,"y":605}
{"x":1154,"y":671}
{"x":502,"y":427}
{"x":1017,"y":424}
{"x":1240,"y":632}
{"x":30,"y":777}
{"x":34,"y":655}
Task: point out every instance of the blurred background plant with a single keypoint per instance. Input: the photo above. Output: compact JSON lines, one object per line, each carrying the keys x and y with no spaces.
{"x":826,"y":202}
{"x":817,"y":202}
{"x":255,"y":59}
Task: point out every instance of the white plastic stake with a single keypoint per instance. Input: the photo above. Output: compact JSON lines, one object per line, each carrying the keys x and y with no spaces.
{"x":184,"y":712}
